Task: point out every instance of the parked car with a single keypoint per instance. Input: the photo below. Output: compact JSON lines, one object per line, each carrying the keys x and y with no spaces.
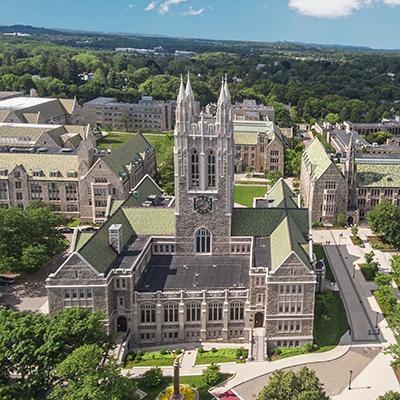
{"x":5,"y":281}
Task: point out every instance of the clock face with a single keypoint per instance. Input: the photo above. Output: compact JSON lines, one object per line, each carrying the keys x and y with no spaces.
{"x":203,"y":204}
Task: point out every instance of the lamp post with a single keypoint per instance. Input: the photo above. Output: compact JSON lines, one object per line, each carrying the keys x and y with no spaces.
{"x":376,"y":320}
{"x":354,"y":271}
{"x":351,"y":374}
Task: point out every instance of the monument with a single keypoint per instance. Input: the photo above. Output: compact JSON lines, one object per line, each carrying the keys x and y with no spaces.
{"x":177,"y":395}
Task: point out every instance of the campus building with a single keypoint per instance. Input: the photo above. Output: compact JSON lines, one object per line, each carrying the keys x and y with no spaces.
{"x":249,"y":110}
{"x":194,"y":268}
{"x":351,"y":184}
{"x":39,"y":110}
{"x":259,"y":146}
{"x":70,"y":174}
{"x":147,"y":114}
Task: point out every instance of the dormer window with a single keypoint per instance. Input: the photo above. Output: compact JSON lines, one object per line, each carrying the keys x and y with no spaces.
{"x":54,"y":174}
{"x":37,"y":173}
{"x":3,"y":171}
{"x":72,"y":174}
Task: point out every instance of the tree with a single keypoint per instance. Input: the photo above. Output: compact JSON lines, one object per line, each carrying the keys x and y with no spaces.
{"x":273,"y":177}
{"x":340,"y":219}
{"x":354,"y":230}
{"x":211,"y":375}
{"x":384,"y":220}
{"x":29,"y":237}
{"x":152,"y":377}
{"x":31,"y":346}
{"x":88,"y":374}
{"x":383,"y":280}
{"x":390,"y":396}
{"x":166,"y":172}
{"x":300,"y":385}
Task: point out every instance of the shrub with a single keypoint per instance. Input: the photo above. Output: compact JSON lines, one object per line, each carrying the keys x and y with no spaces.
{"x":383,"y":280}
{"x":152,"y":377}
{"x":130,"y":357}
{"x":340,"y":219}
{"x":317,"y":224}
{"x":369,"y":257}
{"x":370,"y":270}
{"x":211,"y":375}
{"x":308,"y":347}
{"x":213,"y":350}
{"x":354,"y":230}
{"x":200,"y":350}
{"x":178,"y":352}
{"x":163,"y":352}
{"x":241,"y":352}
{"x":386,"y":299}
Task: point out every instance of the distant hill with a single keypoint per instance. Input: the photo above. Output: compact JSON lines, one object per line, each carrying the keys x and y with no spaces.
{"x":104,"y":40}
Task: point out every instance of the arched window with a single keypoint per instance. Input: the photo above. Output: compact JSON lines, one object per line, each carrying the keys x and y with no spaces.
{"x":195,"y":168}
{"x":147,"y":313}
{"x":211,"y":173}
{"x":211,"y":129}
{"x":171,"y":312}
{"x":236,"y":311}
{"x":215,"y":311}
{"x":203,"y":241}
{"x":193,"y":312}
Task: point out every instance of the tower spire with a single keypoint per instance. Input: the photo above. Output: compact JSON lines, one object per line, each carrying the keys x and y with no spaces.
{"x":189,"y":90}
{"x":227,"y":94}
{"x":181,"y":95}
{"x":222,"y":94}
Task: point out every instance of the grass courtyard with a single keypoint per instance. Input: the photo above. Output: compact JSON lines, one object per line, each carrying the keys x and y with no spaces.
{"x":330,"y":322}
{"x":244,"y":194}
{"x":113,"y":140}
{"x":195,"y":381}
{"x":163,"y":144}
{"x":149,"y":359}
{"x":219,"y":356}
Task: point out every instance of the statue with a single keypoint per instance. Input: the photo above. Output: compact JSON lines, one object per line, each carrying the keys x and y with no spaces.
{"x":177,"y":393}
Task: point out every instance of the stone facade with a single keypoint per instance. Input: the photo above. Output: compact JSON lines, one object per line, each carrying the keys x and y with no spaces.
{"x":210,"y":277}
{"x":75,"y":182}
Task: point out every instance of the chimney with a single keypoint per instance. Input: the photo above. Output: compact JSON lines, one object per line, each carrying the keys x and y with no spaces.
{"x":115,"y":237}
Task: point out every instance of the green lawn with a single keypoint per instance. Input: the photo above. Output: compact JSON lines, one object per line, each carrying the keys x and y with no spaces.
{"x":151,"y":359}
{"x":245,"y":194}
{"x":320,"y":254}
{"x":195,"y":381}
{"x":330,"y":322}
{"x":113,"y":140}
{"x":74,"y":223}
{"x":217,"y":357}
{"x":163,"y":144}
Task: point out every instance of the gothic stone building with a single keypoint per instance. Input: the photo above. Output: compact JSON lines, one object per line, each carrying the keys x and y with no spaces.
{"x":77,"y":182}
{"x":259,"y":145}
{"x":196,"y":268}
{"x":352,"y":186}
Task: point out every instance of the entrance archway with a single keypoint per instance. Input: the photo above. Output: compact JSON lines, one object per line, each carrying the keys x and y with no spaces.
{"x":122,"y":324}
{"x":259,"y":320}
{"x":350,"y":221}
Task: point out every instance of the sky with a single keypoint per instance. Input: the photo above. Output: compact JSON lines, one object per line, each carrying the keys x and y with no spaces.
{"x":373,"y":23}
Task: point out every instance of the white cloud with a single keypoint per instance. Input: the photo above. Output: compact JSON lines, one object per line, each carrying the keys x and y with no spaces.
{"x":151,"y":6}
{"x":130,"y":7}
{"x":334,"y":8}
{"x":165,"y":5}
{"x":327,"y":8}
{"x":190,"y":12}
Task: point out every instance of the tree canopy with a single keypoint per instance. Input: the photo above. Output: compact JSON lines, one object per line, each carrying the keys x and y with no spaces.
{"x":32,"y":345}
{"x":384,"y":220}
{"x":28,"y":238}
{"x":300,"y":385}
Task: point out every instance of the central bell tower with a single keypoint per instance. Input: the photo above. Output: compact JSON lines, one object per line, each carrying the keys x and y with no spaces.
{"x":204,"y":174}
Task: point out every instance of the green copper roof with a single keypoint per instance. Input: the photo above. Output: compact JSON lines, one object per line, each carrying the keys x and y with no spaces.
{"x":81,"y":240}
{"x":378,"y":175}
{"x":316,"y":158}
{"x":130,"y":151}
{"x":151,"y":221}
{"x":97,"y":251}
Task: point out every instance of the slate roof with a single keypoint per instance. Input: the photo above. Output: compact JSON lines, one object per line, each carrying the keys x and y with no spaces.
{"x":132,"y":150}
{"x":378,"y":175}
{"x":44,"y":162}
{"x":316,"y":158}
{"x":286,"y":226}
